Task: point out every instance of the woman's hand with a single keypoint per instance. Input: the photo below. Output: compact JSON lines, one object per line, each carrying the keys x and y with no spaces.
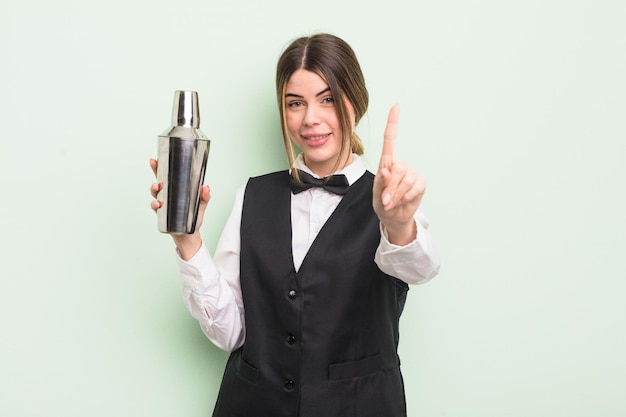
{"x":155,"y":187}
{"x":187,"y":244}
{"x":398,"y":190}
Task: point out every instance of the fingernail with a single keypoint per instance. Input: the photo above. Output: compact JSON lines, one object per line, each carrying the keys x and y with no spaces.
{"x":386,"y":199}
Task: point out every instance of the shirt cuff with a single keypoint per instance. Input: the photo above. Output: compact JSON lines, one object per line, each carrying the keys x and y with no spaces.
{"x":199,"y":273}
{"x":410,"y":263}
{"x":419,"y":244}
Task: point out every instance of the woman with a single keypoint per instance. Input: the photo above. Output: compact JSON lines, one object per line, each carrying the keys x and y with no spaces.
{"x":307,"y":283}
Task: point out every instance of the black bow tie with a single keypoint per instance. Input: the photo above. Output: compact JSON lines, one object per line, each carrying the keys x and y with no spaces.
{"x":337,"y":184}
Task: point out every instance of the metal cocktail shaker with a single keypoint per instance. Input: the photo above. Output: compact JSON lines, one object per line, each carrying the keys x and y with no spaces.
{"x":183,"y":153}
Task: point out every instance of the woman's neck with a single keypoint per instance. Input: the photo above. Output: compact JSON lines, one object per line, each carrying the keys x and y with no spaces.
{"x":326,"y":169}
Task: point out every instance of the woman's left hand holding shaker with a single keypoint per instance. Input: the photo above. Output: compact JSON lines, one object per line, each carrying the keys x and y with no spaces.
{"x":398,"y":190}
{"x":187,"y":244}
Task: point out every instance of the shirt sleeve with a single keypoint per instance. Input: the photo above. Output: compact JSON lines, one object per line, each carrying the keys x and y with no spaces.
{"x":415,"y":263}
{"x":211,"y":286}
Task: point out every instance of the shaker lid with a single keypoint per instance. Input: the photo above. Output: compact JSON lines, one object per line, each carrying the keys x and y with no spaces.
{"x":185,"y":110}
{"x":185,"y":117}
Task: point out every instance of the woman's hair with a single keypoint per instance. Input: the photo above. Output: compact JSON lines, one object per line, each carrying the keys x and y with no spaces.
{"x":335,"y":62}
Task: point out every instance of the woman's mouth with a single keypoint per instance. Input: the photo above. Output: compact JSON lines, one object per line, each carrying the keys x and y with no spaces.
{"x":316,"y":140}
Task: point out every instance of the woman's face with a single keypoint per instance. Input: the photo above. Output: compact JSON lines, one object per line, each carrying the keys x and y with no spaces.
{"x":313,"y":123}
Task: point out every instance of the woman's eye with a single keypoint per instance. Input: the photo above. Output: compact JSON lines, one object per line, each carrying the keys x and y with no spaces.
{"x":328,"y":100}
{"x":294,"y":104}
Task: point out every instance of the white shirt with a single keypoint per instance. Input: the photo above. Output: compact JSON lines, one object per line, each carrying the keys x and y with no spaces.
{"x":211,"y":287}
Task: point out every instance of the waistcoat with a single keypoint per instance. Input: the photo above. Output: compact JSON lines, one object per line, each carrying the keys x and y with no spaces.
{"x":322,"y":341}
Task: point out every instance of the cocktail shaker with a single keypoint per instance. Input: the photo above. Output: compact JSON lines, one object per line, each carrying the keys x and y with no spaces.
{"x":183,"y":154}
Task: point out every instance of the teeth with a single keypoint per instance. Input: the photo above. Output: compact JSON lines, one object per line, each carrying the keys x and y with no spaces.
{"x":317,"y":137}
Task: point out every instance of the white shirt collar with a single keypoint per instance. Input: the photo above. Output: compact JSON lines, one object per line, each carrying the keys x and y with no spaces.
{"x":353,"y":172}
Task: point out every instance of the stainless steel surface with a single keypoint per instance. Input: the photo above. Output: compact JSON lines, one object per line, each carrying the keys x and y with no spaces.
{"x":183,"y":154}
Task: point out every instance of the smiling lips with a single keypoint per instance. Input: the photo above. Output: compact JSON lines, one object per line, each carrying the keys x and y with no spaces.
{"x":316,"y":140}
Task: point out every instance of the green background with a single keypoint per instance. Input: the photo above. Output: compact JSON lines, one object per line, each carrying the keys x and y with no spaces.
{"x":512,"y":110}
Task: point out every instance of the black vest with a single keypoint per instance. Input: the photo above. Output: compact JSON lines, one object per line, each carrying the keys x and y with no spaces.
{"x":320,"y":342}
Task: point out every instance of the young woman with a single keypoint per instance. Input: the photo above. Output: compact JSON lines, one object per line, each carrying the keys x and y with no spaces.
{"x":311,"y":273}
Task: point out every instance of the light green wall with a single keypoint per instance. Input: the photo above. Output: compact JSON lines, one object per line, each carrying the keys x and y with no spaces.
{"x":512,"y":110}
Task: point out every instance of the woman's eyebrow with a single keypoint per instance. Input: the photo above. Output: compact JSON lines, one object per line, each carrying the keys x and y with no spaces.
{"x":299,"y":96}
{"x":327,"y":89}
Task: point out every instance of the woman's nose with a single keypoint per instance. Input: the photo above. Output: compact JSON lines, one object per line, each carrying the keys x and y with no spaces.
{"x":311,"y":116}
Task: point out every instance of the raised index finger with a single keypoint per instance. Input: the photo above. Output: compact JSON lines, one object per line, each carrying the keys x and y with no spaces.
{"x":391,"y":131}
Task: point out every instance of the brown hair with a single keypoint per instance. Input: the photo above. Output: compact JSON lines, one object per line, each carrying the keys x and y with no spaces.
{"x":335,"y":62}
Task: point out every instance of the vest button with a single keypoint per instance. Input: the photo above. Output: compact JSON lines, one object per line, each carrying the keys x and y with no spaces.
{"x":292,"y":294}
{"x":291,"y":339}
{"x":289,"y":384}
